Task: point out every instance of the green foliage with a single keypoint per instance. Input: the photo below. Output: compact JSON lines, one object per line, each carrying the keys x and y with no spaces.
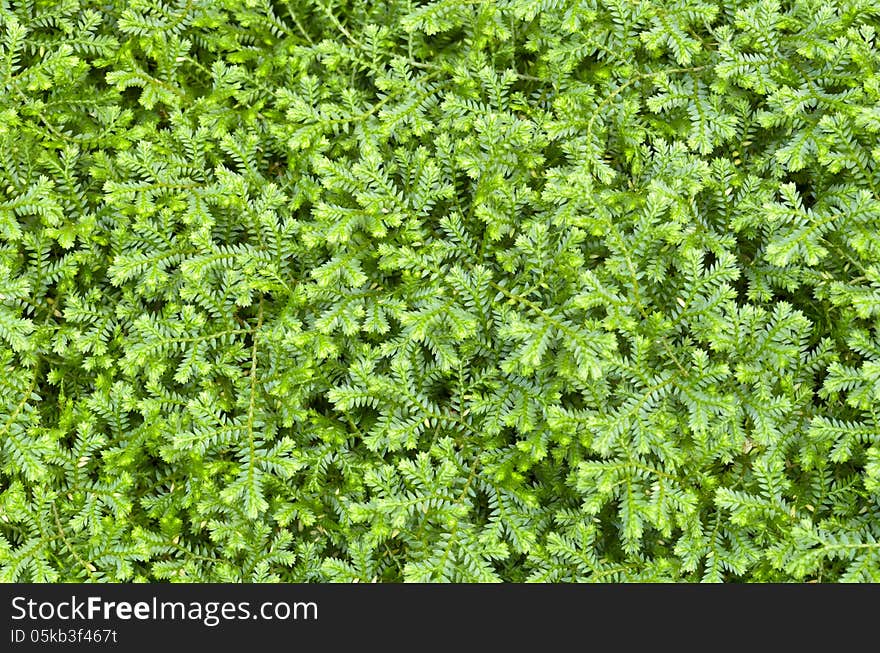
{"x":335,"y":290}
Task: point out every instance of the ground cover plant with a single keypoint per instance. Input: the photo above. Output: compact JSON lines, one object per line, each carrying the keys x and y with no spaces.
{"x":460,"y":290}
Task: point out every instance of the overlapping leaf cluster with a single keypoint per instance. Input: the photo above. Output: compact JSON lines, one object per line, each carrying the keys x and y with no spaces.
{"x":517,"y":290}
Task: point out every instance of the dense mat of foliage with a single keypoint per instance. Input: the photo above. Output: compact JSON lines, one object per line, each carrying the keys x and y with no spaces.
{"x":469,"y":290}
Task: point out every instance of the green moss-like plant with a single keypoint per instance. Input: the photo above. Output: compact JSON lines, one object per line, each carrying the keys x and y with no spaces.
{"x":333,"y":290}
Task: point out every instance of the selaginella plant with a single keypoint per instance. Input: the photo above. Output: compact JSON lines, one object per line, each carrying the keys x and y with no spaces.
{"x":514,"y":290}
